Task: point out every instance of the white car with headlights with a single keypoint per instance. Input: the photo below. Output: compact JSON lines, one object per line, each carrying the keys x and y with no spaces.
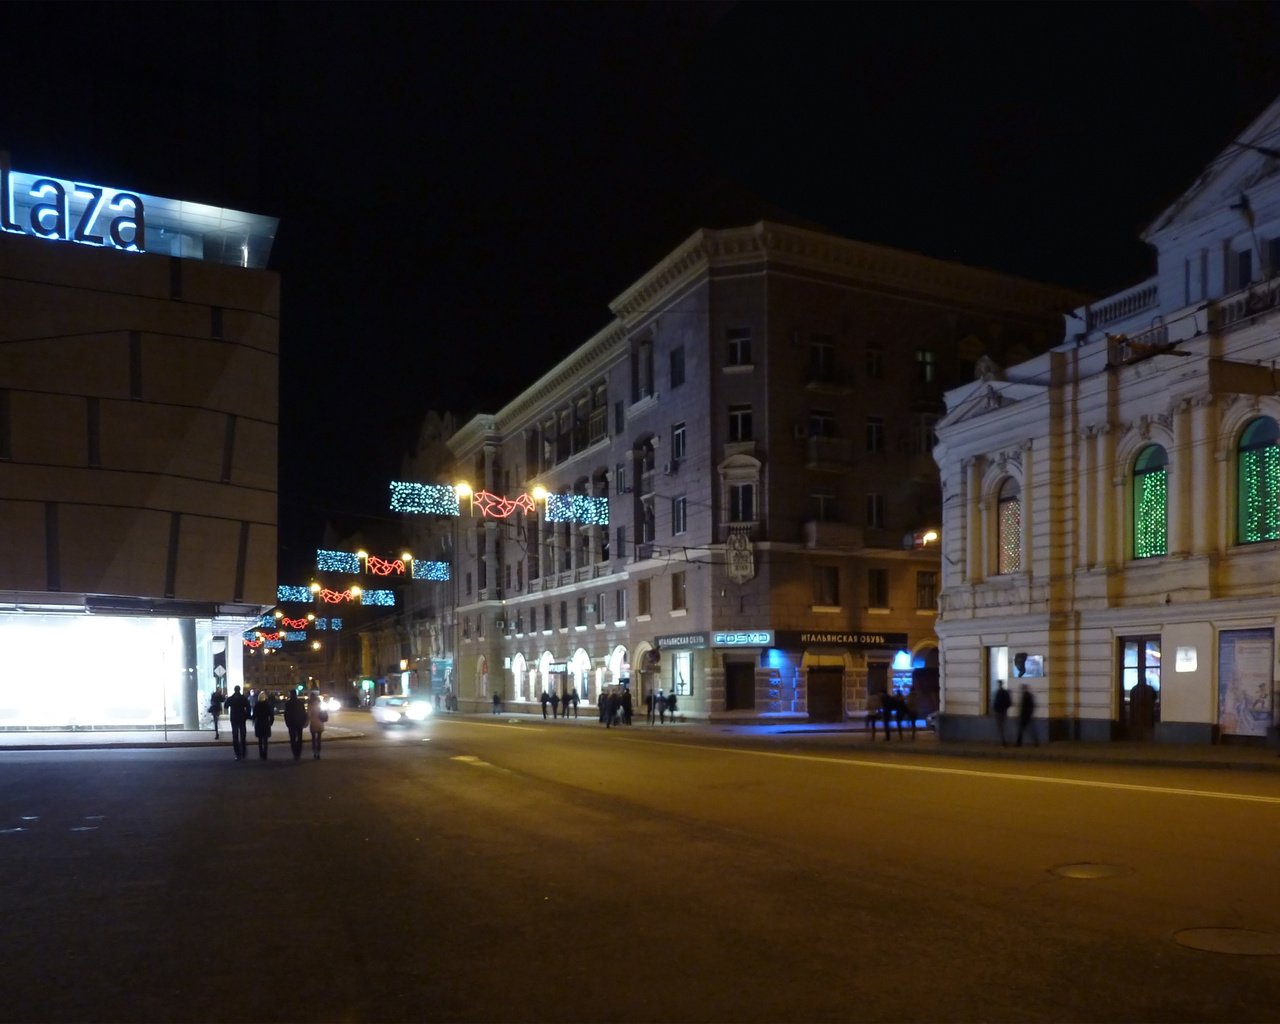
{"x":401,"y":710}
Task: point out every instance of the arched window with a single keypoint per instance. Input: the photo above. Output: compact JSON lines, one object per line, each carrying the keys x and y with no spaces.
{"x":1258,"y":483}
{"x":1009,"y":528}
{"x":1151,"y":503}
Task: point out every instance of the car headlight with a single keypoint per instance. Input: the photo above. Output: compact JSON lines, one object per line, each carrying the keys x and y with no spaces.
{"x":418,"y":712}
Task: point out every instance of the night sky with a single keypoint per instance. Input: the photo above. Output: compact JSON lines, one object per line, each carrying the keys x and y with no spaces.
{"x":462,"y":189}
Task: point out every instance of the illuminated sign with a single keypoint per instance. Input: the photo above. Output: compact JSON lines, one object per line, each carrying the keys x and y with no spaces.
{"x":793,"y":638}
{"x":70,"y":211}
{"x":743,"y":638}
{"x":682,"y":640}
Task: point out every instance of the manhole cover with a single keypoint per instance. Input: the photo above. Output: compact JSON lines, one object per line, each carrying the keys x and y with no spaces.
{"x":1091,"y":870}
{"x":1237,"y":941}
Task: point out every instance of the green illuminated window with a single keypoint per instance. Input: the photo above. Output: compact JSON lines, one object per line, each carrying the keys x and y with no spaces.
{"x":1151,"y":503}
{"x":1258,"y":485}
{"x":1009,"y":528}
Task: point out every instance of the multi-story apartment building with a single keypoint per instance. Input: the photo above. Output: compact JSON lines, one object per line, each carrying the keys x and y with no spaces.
{"x":1111,"y":515}
{"x":138,"y":433}
{"x":741,"y":498}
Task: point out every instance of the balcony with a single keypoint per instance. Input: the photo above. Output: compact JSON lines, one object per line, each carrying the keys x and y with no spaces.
{"x":827,"y":380}
{"x":825,"y":534}
{"x":828,"y":454}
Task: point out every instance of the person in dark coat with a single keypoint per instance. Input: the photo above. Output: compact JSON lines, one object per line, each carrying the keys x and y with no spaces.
{"x":648,"y":704}
{"x":295,"y":720}
{"x":1026,"y":711}
{"x":626,"y":706}
{"x":661,"y":701}
{"x":546,"y":699}
{"x":612,"y":703}
{"x":555,"y":703}
{"x":316,"y":717}
{"x":238,"y":715}
{"x":264,"y":714}
{"x":671,"y":705}
{"x":1000,"y":705}
{"x":215,"y":709}
{"x":602,"y":705}
{"x":572,"y":699}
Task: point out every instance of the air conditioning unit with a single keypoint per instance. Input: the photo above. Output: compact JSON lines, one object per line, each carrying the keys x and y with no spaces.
{"x":499,"y":624}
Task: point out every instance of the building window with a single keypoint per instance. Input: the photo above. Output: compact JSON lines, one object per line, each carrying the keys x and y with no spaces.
{"x":877,"y":588}
{"x":620,"y":605}
{"x":739,"y":350}
{"x":926,"y":366}
{"x":822,"y":423}
{"x":1151,"y":503}
{"x":679,"y":510}
{"x":620,"y":484}
{"x":642,"y":370}
{"x":547,"y":621}
{"x":742,"y":503}
{"x":926,"y":591}
{"x":1009,"y":528}
{"x":826,"y":586}
{"x":875,"y":362}
{"x":682,"y":674}
{"x":677,"y":444}
{"x":678,"y":595}
{"x":875,"y":434}
{"x":875,"y":511}
{"x":677,"y":366}
{"x":1258,"y":484}
{"x":533,"y":619}
{"x":647,"y":522}
{"x":619,"y":417}
{"x":643,"y":595}
{"x":622,"y":541}
{"x":581,"y":611}
{"x":468,"y":590}
{"x":564,"y":614}
{"x":824,"y":506}
{"x":740,"y":423}
{"x":822,"y":357}
{"x":923,"y":437}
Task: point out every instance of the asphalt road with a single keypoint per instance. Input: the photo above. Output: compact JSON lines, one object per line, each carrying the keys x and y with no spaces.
{"x":495,"y":870}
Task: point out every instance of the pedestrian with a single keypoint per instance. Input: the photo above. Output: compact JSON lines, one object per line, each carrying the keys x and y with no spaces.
{"x":671,"y":705}
{"x":238,"y":715}
{"x":295,"y":720}
{"x":626,"y":705}
{"x":1026,"y":710}
{"x":546,"y":699}
{"x":602,"y":705}
{"x":555,"y":703}
{"x":316,"y":717}
{"x":661,"y":701}
{"x":215,"y":708}
{"x":1000,"y":704}
{"x":573,"y":698}
{"x":611,"y":710}
{"x":648,"y":704}
{"x":497,"y":703}
{"x":264,"y":714}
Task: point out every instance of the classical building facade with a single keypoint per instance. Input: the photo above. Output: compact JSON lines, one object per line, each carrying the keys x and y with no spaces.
{"x":1111,"y":509}
{"x":741,"y":501}
{"x":138,"y":437}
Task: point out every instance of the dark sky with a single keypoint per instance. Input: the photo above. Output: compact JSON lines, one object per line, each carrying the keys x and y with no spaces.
{"x":463,"y":188}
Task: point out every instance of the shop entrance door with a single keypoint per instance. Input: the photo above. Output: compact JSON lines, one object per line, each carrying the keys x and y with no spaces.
{"x":826,"y":694}
{"x":739,"y":686}
{"x":1140,"y":686}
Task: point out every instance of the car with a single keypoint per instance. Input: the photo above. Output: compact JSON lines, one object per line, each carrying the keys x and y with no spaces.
{"x":401,"y":709}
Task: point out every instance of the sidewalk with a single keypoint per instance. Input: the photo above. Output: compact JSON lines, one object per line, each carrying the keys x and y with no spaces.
{"x":843,"y":736}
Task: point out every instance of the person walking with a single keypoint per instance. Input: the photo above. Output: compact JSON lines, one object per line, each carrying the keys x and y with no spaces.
{"x":546,"y":699}
{"x":648,"y":705}
{"x":295,"y":720}
{"x":626,"y":706}
{"x":264,"y":714}
{"x":611,"y":709}
{"x":661,"y":701}
{"x":1000,"y":705}
{"x":671,"y":705}
{"x":573,"y":699}
{"x":215,"y":708}
{"x":238,"y":715}
{"x":1026,"y":711}
{"x":555,"y":703}
{"x":316,"y":717}
{"x":602,"y":706}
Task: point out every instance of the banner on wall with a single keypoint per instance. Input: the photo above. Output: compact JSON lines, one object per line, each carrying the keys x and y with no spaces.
{"x":1245,"y":689}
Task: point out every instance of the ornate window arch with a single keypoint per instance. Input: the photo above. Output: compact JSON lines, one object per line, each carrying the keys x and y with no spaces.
{"x":1151,"y":502}
{"x":1258,"y":482}
{"x":1009,"y":526}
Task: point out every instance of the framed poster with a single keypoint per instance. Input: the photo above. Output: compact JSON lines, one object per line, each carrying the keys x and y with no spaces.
{"x":1245,"y":688}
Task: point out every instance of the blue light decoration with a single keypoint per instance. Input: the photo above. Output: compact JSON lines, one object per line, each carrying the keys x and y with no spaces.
{"x":266,"y":622}
{"x":385,"y":598}
{"x":249,"y":634}
{"x":577,"y":508}
{"x":426,"y":499}
{"x":295,"y":634}
{"x":430,"y":570}
{"x":337,"y":561}
{"x":293,"y":594}
{"x":321,"y":623}
{"x":274,"y":645}
{"x":335,"y":624}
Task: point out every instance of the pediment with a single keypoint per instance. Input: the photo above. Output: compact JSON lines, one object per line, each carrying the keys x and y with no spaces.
{"x":1253,"y":156}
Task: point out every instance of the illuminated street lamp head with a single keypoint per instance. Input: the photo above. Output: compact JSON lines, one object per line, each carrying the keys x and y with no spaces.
{"x":362,"y":555}
{"x":356,"y":591}
{"x":315,"y":645}
{"x":930,"y":536}
{"x":462,"y":490}
{"x":539,"y":493}
{"x":315,"y":588}
{"x":406,"y":557}
{"x":279,"y":614}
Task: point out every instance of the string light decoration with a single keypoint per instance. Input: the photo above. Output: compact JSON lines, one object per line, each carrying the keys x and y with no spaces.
{"x":1010,"y":535}
{"x":1259,"y":473}
{"x":1150,"y":503}
{"x":322,"y":623}
{"x":498,"y":507}
{"x":334,"y":596}
{"x":335,"y":624}
{"x":337,"y":561}
{"x":385,"y":567}
{"x":273,"y":645}
{"x":295,"y":634}
{"x":577,"y":508}
{"x":431,"y":570}
{"x":252,"y":643}
{"x":294,"y":595}
{"x":294,"y":623}
{"x":268,"y":621}
{"x":424,"y":499}
{"x":384,"y":598}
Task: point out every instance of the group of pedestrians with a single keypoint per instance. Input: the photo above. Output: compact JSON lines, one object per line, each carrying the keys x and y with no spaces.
{"x":615,"y":706}
{"x":660,"y":705}
{"x":299,"y":717}
{"x":553,"y":700}
{"x":1002,"y":701}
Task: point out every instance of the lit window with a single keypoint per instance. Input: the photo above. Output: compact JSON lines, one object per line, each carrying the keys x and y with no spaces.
{"x":1009,"y":528}
{"x":1258,"y":490}
{"x":1151,"y":503}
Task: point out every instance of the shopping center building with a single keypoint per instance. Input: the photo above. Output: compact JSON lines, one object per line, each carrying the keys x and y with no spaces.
{"x":139,"y":351}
